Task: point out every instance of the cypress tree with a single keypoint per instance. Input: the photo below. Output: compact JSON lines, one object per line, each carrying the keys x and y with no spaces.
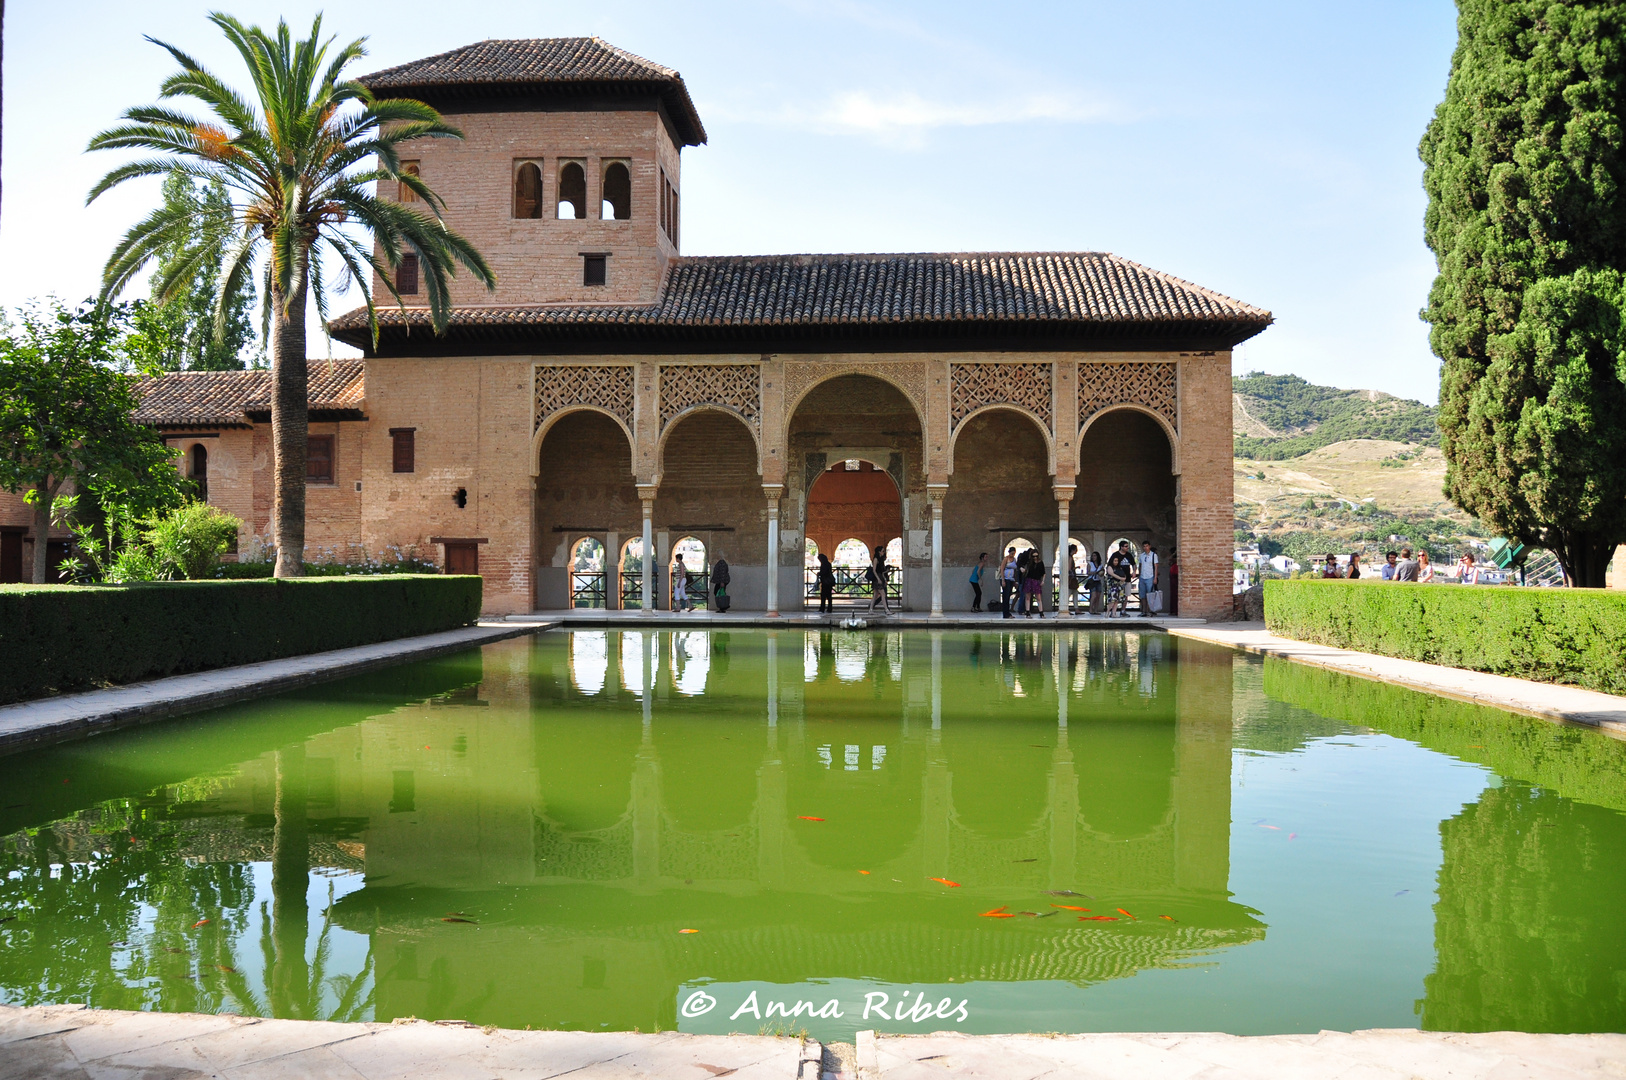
{"x":1525,"y":171}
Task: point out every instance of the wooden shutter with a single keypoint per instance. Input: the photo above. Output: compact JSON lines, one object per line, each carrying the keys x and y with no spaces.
{"x":406,"y":276}
{"x":405,"y":193}
{"x":319,"y":459}
{"x":404,"y":448}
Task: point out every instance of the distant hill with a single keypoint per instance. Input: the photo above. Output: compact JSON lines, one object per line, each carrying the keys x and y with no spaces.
{"x":1282,"y":416}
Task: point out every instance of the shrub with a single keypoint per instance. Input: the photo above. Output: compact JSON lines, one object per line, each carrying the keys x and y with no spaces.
{"x":1551,"y":635}
{"x":72,"y":637}
{"x":190,"y":540}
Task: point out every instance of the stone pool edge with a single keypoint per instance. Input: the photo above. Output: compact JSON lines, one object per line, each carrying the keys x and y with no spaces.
{"x":1545,"y":701}
{"x":31,"y":724}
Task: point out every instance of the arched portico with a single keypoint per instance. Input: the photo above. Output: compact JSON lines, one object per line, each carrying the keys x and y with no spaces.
{"x":583,"y":489}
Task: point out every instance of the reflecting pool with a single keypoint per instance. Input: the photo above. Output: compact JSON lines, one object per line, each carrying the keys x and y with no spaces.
{"x":831,"y":831}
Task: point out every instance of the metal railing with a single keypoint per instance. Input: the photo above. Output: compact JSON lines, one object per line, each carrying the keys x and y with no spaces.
{"x":852,"y":588}
{"x":699,"y":589}
{"x":587,"y":588}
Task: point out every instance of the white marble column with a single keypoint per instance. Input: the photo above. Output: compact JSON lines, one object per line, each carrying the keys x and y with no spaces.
{"x":1064,"y":504}
{"x":649,"y":553}
{"x":935,"y":493}
{"x":773,"y":492}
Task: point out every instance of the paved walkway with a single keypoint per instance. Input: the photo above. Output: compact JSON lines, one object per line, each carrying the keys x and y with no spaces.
{"x":71,"y":1042}
{"x":76,"y":716}
{"x":1549,"y":701}
{"x":1362,"y":1055}
{"x":801,"y":620}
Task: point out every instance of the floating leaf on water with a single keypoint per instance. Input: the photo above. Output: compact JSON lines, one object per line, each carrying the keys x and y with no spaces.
{"x":199,"y":923}
{"x":946,"y":881}
{"x":227,"y":970}
{"x":1024,"y":860}
{"x":688,"y":931}
{"x":1070,"y":907}
{"x":450,"y":919}
{"x":8,"y":918}
{"x":804,"y":817}
{"x":1402,"y":892}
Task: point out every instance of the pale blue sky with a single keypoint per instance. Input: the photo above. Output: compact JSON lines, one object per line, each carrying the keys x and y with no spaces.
{"x":1266,"y":149}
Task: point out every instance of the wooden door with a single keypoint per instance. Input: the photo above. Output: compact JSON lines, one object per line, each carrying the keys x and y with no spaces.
{"x":462,"y":558}
{"x":11,"y":557}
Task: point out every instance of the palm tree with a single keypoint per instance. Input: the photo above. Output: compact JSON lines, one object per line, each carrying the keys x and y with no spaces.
{"x":299,"y":167}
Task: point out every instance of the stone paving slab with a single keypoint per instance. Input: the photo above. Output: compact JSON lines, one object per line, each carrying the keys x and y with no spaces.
{"x":1548,"y":701}
{"x":802,"y":620}
{"x":70,"y":1041}
{"x":1398,"y":1054}
{"x":77,"y":716}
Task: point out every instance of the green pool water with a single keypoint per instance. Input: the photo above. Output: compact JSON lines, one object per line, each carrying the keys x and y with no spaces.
{"x":751,"y":831}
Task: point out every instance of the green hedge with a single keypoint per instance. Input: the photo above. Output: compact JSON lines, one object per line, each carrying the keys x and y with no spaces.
{"x":57,"y":638}
{"x":1553,"y":635}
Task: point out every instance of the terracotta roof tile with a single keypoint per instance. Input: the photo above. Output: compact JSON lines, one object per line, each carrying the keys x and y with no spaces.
{"x":579,"y":64}
{"x":859,"y":294}
{"x":227,"y":397}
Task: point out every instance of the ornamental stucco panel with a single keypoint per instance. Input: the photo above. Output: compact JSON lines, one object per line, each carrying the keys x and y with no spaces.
{"x":565,"y":386}
{"x":736,"y":387}
{"x":1153,"y":386}
{"x":1027,"y":386}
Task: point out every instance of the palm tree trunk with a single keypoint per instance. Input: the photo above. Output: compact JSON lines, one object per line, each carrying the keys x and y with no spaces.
{"x":290,"y":424}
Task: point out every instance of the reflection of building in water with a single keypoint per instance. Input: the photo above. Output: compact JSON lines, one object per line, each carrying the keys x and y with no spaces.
{"x":1126,"y":793}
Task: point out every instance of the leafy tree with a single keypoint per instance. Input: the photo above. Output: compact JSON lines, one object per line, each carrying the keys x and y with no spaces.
{"x":66,"y":416}
{"x":299,"y":161}
{"x":177,"y":331}
{"x":1524,"y":170}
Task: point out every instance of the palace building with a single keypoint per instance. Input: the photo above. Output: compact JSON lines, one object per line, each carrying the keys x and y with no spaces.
{"x":614,"y":396}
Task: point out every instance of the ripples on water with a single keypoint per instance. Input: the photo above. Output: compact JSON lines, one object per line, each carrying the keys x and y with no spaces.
{"x":1140,"y":832}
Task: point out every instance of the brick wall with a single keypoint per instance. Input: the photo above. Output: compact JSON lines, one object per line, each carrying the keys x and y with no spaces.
{"x":1207,"y":529}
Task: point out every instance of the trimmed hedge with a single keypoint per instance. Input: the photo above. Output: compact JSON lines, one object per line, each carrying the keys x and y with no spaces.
{"x":1552,"y":635}
{"x":57,"y":638}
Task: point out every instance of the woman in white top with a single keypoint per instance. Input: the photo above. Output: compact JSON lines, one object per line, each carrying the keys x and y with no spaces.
{"x":1425,"y":569}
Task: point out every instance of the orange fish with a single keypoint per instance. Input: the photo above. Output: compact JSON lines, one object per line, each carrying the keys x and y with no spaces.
{"x":688,"y":931}
{"x":1098,"y":918}
{"x":1121,"y":911}
{"x":1171,"y":918}
{"x":946,"y":881}
{"x":994,"y":913}
{"x":864,"y":872}
{"x":804,"y":817}
{"x":1070,"y":907}
{"x":199,"y":923}
{"x":227,"y":970}
{"x":1000,"y":915}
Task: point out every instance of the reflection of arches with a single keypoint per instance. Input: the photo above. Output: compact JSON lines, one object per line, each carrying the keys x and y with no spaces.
{"x":589,"y":660}
{"x":1162,"y":421}
{"x":1041,"y":425}
{"x":691,"y":661}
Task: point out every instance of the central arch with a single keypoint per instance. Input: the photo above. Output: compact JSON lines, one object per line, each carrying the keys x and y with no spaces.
{"x":853,"y":499}
{"x":584,"y":490}
{"x":1002,"y":490}
{"x":711,"y":494}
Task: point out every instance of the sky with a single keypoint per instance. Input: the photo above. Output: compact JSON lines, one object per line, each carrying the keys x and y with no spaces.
{"x":1266,"y":150}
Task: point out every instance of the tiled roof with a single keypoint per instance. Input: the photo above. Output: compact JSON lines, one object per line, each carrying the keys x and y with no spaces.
{"x":1024,"y":295}
{"x":228,"y":397}
{"x":531,"y":65}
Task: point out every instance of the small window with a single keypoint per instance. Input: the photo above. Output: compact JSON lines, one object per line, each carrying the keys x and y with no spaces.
{"x":593,"y":269}
{"x":200,"y":470}
{"x":406,"y":194}
{"x":405,"y":451}
{"x":572,"y":190}
{"x":528,"y":191}
{"x":319,"y":459}
{"x":406,"y":276}
{"x":617,"y":192}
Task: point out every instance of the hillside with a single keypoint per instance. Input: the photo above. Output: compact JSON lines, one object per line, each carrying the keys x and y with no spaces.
{"x":1277,"y":417}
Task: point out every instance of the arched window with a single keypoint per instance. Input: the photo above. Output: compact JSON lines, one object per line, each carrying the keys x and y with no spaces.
{"x":403,"y":192}
{"x":693,"y":554}
{"x":632,"y":574}
{"x":528,"y":191}
{"x":617,"y":192}
{"x":810,"y":554}
{"x":587,"y":573}
{"x":852,"y":554}
{"x":894,"y":552}
{"x":572,"y":190}
{"x":200,"y":470}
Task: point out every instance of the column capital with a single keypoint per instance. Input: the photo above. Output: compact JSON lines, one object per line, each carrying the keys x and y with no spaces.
{"x":646,"y":492}
{"x":936,"y":493}
{"x":1064,"y":492}
{"x":773,"y":491}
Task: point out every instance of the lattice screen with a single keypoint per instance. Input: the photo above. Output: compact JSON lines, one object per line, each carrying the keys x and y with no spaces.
{"x":976,"y":385}
{"x":1151,"y":385}
{"x":561,"y":386}
{"x":734,"y":386}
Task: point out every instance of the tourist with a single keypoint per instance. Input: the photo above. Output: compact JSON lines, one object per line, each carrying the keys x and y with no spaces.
{"x":1094,"y":583}
{"x":1467,"y":569}
{"x":1174,"y":584}
{"x":976,"y":581}
{"x":1007,"y":583}
{"x":1074,"y":578}
{"x":1354,"y":565}
{"x":1120,"y":567}
{"x":1389,"y":558}
{"x":719,"y":585}
{"x":1425,"y":569}
{"x":1020,"y":569}
{"x":1036,"y":581}
{"x":1148,"y":576}
{"x":878,"y":574}
{"x":1330,"y":569}
{"x":1406,"y":569}
{"x":680,"y":585}
{"x":826,"y":578}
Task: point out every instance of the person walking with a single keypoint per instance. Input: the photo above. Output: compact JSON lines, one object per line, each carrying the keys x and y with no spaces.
{"x":1036,"y":582}
{"x":1020,"y":603}
{"x":976,"y":581}
{"x":1354,"y":565}
{"x":826,"y":578}
{"x":680,"y":585}
{"x":1093,"y":582}
{"x":1120,"y":568}
{"x":1406,"y":569}
{"x":1074,"y":579}
{"x":1389,"y":567}
{"x":878,"y":575}
{"x":1148,"y":576}
{"x":1007,"y":584}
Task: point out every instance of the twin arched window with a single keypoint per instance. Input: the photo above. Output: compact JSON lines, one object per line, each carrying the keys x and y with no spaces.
{"x":615,"y":190}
